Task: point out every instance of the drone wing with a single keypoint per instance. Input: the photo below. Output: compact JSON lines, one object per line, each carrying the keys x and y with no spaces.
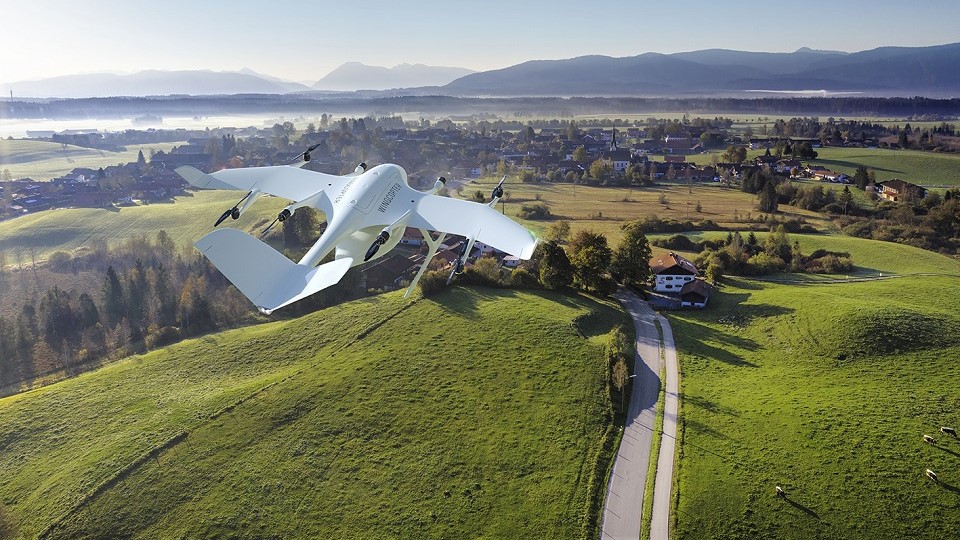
{"x":476,"y":221}
{"x":263,"y":274}
{"x":281,"y":180}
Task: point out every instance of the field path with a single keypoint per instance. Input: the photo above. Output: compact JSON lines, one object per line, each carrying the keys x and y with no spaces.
{"x":624,"y":500}
{"x":660,"y":522}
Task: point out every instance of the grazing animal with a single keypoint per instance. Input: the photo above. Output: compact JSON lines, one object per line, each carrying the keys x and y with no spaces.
{"x":929,"y":439}
{"x":948,"y":431}
{"x":780,"y":492}
{"x":932,"y":475}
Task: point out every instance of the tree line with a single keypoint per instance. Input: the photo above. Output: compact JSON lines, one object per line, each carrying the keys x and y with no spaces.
{"x":150,"y":294}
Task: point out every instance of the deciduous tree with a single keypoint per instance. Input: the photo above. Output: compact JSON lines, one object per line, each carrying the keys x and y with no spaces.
{"x":631,"y":261}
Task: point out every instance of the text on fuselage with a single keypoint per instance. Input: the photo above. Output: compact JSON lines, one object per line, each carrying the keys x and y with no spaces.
{"x":388,"y":198}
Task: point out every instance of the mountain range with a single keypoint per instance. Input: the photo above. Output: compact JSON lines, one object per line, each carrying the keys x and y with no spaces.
{"x":885,"y":71}
{"x":356,"y":76}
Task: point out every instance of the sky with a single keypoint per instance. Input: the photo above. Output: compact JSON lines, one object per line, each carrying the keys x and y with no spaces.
{"x":304,"y":40}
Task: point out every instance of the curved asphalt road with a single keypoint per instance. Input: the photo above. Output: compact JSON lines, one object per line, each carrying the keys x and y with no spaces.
{"x":624,"y":501}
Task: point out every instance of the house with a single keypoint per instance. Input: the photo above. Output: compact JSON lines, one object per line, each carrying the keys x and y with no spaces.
{"x":511,"y":261}
{"x":671,"y":272}
{"x":695,"y":293}
{"x":412,"y":237}
{"x":784,"y":166}
{"x":899,"y":190}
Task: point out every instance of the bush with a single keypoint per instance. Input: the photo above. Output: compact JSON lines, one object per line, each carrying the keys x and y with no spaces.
{"x":160,"y":337}
{"x":59,"y":261}
{"x":485,"y":271}
{"x":433,"y":282}
{"x":521,"y":279}
{"x":535,"y":211}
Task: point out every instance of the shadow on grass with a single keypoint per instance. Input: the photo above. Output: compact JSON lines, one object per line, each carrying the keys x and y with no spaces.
{"x":706,"y":429}
{"x":698,"y":335}
{"x":947,"y":450}
{"x":949,"y":487}
{"x":852,"y":165}
{"x":707,"y":405}
{"x":806,"y":510}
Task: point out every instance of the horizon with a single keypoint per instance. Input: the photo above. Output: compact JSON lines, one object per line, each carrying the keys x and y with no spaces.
{"x":480,"y":38}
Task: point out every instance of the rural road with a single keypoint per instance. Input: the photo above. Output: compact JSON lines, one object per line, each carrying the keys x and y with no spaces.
{"x":624,"y":500}
{"x":660,"y":522}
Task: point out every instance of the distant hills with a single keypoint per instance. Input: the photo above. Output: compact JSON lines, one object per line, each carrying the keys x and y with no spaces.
{"x":886,"y":71}
{"x":930,"y":71}
{"x":153,"y":83}
{"x":356,"y":76}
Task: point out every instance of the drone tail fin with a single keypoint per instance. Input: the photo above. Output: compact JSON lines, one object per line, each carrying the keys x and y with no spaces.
{"x":263,"y":274}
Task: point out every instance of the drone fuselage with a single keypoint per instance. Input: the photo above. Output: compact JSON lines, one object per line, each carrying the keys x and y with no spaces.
{"x":382,"y":189}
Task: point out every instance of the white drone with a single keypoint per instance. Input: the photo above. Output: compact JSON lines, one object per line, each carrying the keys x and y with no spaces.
{"x":366,"y":211}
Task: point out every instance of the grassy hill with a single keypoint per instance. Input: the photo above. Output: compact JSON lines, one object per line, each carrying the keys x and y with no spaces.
{"x":924,"y":168}
{"x":186,"y":220}
{"x":825,"y":390}
{"x":480,"y":413}
{"x":42,"y":160}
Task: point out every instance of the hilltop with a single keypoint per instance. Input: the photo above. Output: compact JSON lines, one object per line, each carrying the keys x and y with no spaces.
{"x":479,"y":412}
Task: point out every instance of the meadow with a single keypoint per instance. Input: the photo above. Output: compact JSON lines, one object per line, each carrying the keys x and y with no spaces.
{"x":604,"y":209}
{"x":825,"y":390}
{"x":478,"y":413}
{"x":186,"y":219}
{"x":42,"y":160}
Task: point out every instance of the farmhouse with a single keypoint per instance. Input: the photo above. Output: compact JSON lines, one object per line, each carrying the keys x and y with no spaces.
{"x":671,"y":272}
{"x":898,"y":190}
{"x":695,"y":293}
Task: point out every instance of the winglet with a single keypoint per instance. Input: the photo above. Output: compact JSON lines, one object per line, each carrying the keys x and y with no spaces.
{"x":196,"y":178}
{"x":263,"y":274}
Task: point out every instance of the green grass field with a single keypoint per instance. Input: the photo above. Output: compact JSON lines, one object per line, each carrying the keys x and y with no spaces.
{"x":825,"y":390}
{"x":186,"y":220}
{"x":923,"y":168}
{"x":43,"y":160}
{"x":476,"y":414}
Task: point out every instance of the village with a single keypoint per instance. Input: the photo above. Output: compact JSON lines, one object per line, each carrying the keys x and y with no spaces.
{"x":612,"y":156}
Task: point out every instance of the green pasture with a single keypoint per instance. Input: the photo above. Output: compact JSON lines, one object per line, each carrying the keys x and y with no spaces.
{"x":41,"y":160}
{"x":480,"y":413}
{"x":186,"y":219}
{"x":924,"y":168}
{"x":825,"y":390}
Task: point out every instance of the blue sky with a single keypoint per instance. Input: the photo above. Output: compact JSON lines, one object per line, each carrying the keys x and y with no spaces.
{"x":304,"y":40}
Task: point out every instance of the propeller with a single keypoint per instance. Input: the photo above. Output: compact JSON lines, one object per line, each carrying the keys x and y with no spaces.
{"x":282,"y":216}
{"x":306,"y":153}
{"x":498,"y":191}
{"x":233,"y":212}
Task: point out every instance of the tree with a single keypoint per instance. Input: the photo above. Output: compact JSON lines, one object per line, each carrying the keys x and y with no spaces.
{"x":580,"y":154}
{"x":301,"y":228}
{"x":479,"y":197}
{"x":558,"y":232}
{"x":631,"y":261}
{"x":141,"y":161}
{"x":767,"y":198}
{"x":619,"y":376}
{"x":590,"y":256}
{"x":734,"y":154}
{"x":902,"y":140}
{"x":845,"y":199}
{"x":862,"y":177}
{"x":601,"y":170}
{"x":114,"y":303}
{"x":556,"y":271}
